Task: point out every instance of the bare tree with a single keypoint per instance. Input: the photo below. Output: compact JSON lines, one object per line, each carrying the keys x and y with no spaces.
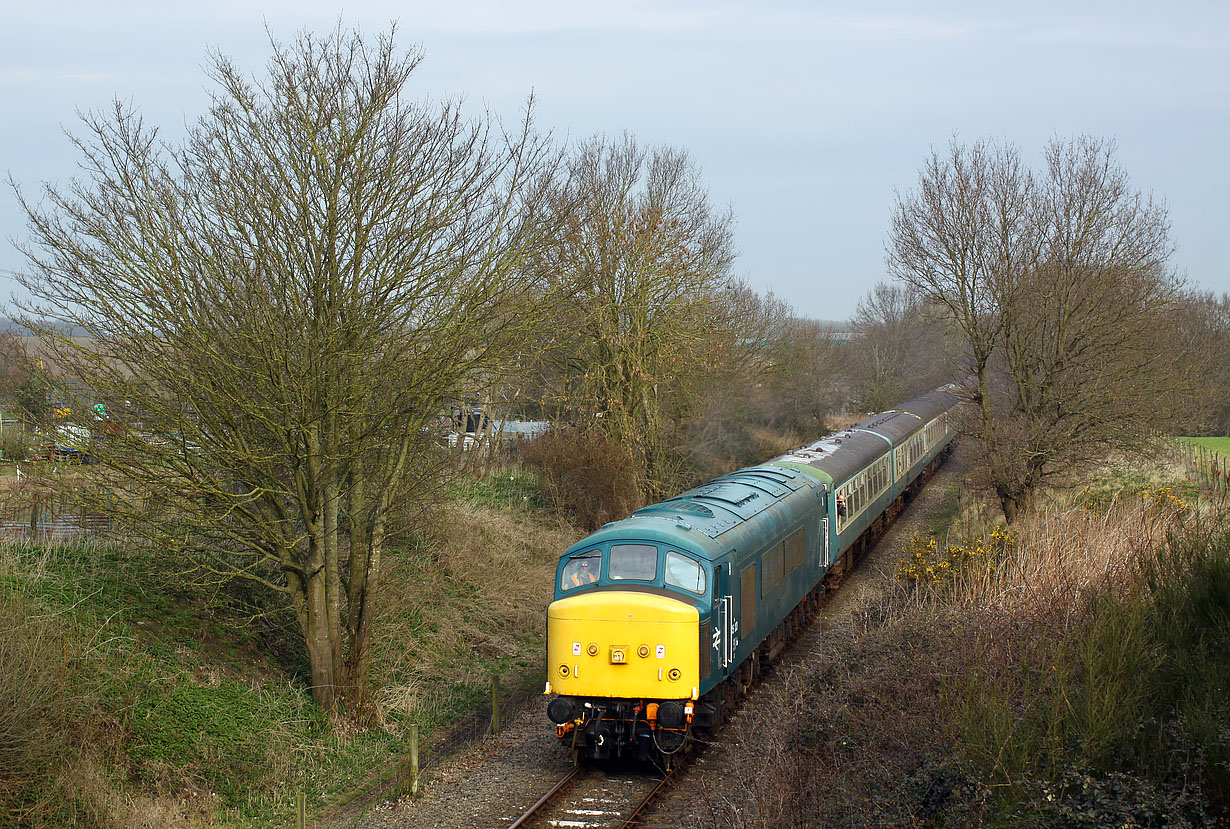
{"x":900,"y":348}
{"x":281,"y":307}
{"x":803,"y":375}
{"x":647,"y":259}
{"x":1058,"y":281}
{"x":771,"y":382}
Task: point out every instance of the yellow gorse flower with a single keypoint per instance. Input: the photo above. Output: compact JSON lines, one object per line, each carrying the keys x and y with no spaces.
{"x":927,"y":563}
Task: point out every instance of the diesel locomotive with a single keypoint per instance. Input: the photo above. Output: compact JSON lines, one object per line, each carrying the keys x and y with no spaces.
{"x":662,"y":620}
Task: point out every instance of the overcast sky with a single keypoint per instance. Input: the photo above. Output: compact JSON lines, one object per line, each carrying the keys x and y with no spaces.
{"x":805,"y":117}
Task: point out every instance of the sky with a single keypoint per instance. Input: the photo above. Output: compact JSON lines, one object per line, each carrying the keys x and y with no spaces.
{"x":807,"y":118}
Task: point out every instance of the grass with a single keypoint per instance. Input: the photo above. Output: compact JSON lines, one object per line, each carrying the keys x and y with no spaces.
{"x":512,"y":488}
{"x":1126,"y":689}
{"x":1086,"y":690}
{"x":1220,"y":445}
{"x":942,"y":519}
{"x":151,"y":702}
{"x":458,"y":612}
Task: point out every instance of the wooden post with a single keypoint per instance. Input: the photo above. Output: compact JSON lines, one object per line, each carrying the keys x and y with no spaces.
{"x":300,"y":810}
{"x":33,"y":517}
{"x":414,"y":759}
{"x":495,"y":704}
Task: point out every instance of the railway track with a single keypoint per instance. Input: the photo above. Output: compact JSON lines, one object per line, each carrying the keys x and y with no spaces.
{"x":593,"y":798}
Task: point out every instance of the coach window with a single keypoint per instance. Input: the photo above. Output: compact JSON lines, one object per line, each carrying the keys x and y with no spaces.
{"x":685,"y":573}
{"x":638,"y":562}
{"x":581,"y":569}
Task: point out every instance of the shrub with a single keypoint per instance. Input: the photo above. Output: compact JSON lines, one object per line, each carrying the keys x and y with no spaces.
{"x":1188,"y":585}
{"x":587,"y":475}
{"x":927,"y":564}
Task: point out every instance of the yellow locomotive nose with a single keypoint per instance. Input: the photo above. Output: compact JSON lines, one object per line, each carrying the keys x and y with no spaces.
{"x":623,"y":644}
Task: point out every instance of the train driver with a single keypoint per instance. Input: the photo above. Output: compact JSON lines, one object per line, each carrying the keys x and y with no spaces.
{"x":585,"y":574}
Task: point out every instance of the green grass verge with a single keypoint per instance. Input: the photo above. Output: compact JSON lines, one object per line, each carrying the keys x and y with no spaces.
{"x":946,"y":513}
{"x":1221,"y":445}
{"x":512,"y":488}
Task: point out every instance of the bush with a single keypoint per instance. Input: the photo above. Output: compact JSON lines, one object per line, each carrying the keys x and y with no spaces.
{"x":1188,"y":584}
{"x":587,"y":475}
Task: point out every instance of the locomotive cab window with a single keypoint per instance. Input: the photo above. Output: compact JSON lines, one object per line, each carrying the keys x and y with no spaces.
{"x":638,"y":562}
{"x":685,"y":573}
{"x":581,"y":570}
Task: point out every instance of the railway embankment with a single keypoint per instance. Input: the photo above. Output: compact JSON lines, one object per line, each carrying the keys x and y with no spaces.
{"x":495,"y":779}
{"x":965,"y":674}
{"x":137,"y":695}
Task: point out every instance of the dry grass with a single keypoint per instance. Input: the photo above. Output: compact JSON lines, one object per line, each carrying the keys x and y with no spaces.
{"x":1056,"y":556}
{"x":464,"y":604}
{"x":769,"y":443}
{"x":98,"y":801}
{"x":1029,"y":682}
{"x":39,"y":703}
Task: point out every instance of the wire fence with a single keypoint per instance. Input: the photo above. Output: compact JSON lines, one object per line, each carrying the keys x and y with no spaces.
{"x":1206,"y":464}
{"x":32,"y":516}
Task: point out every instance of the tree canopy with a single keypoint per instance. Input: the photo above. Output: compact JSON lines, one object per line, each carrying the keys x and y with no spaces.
{"x":646,"y":261}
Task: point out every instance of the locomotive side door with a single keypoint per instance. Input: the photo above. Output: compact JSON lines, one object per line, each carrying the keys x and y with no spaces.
{"x":825,"y":557}
{"x":724,"y":631}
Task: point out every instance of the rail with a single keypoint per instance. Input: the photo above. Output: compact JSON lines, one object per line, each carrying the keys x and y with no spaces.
{"x":546,"y":798}
{"x":624,"y":818}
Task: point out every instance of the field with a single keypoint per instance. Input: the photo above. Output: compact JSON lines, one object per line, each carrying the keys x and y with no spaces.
{"x":1219,"y":445}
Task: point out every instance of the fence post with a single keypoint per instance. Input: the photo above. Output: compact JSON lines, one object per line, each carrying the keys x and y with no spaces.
{"x":495,"y":704}
{"x":33,"y":517}
{"x":300,"y":810}
{"x":414,"y":759}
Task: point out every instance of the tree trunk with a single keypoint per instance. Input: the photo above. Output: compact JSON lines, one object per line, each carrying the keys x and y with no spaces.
{"x":1010,"y":501}
{"x":367,"y":543}
{"x":320,"y":642}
